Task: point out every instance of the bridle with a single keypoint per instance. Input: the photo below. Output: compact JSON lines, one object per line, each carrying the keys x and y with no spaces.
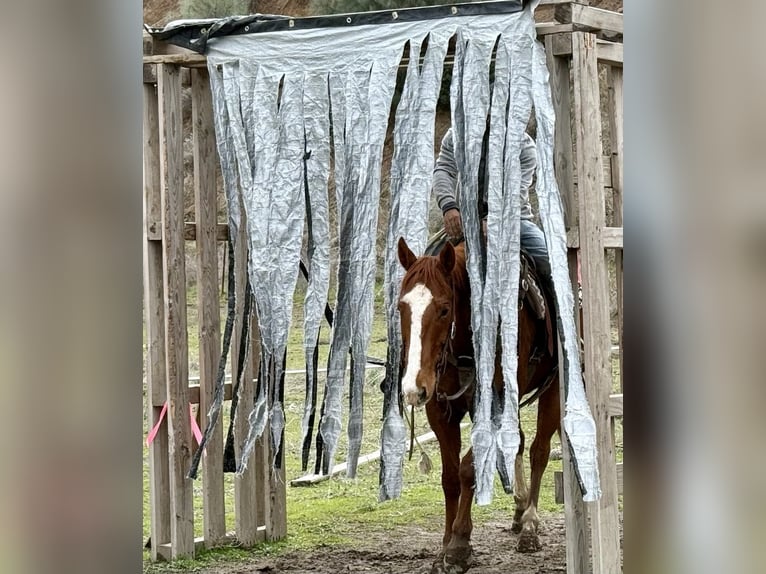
{"x":447,"y":356}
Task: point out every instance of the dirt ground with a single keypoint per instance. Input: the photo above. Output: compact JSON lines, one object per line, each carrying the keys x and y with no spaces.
{"x":413,"y":551}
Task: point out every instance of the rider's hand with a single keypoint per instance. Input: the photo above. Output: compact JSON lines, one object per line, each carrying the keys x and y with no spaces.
{"x":453,"y":225}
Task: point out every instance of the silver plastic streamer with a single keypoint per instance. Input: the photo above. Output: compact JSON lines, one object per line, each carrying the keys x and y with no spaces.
{"x":411,"y":177}
{"x":368,"y":96}
{"x":316,"y":109}
{"x":470,"y":98}
{"x":351,"y":72}
{"x":578,"y":421}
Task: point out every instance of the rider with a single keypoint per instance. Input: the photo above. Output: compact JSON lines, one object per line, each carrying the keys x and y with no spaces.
{"x":445,"y":188}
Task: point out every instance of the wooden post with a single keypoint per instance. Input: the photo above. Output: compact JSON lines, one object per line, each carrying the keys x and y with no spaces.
{"x":154,"y":314}
{"x":605,"y":527}
{"x":214,"y":517}
{"x":614,"y":80}
{"x":176,"y":343}
{"x":245,"y":502}
{"x":575,"y":511}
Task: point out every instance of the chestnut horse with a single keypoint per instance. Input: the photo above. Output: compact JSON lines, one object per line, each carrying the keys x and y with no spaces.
{"x":435,"y":312}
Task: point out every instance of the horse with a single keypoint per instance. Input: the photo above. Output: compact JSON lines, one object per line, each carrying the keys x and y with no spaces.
{"x":435,"y":315}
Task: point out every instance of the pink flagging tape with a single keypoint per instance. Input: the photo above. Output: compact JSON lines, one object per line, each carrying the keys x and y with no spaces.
{"x":194,"y":426}
{"x":156,"y":428}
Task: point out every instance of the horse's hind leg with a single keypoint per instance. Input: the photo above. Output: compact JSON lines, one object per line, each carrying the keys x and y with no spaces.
{"x":457,"y":557}
{"x":548,"y":421}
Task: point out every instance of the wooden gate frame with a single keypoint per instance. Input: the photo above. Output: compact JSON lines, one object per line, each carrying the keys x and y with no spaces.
{"x":260,"y":496}
{"x":577,"y":39}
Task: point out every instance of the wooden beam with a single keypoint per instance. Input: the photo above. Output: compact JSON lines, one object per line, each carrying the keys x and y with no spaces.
{"x":195,"y":389}
{"x":209,"y":312}
{"x":615,"y":405}
{"x":611,"y":237}
{"x":620,"y":481}
{"x":154,"y":318}
{"x":176,"y":339}
{"x":615,"y":114}
{"x":245,"y":501}
{"x":605,"y":527}
{"x":164,"y":550}
{"x":547,"y":28}
{"x":154,"y":231}
{"x":187,"y":60}
{"x":610,"y":53}
{"x":311,"y":479}
{"x":606,"y":172}
{"x":589,"y":19}
{"x":575,"y":511}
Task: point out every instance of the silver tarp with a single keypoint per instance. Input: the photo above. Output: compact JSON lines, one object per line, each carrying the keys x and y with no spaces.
{"x":277,"y":102}
{"x":411,"y":177}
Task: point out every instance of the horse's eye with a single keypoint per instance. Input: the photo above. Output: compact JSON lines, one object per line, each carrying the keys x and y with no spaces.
{"x":444,"y":312}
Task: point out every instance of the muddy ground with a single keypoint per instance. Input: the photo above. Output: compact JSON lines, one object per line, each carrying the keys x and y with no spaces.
{"x":413,"y":551}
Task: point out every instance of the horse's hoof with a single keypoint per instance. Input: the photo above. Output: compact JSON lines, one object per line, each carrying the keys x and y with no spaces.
{"x":458,"y":559}
{"x":516,"y":526}
{"x":528,"y":542}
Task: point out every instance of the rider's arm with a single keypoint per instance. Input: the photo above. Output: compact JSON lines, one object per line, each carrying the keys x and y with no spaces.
{"x":445,"y":175}
{"x":528,"y":159}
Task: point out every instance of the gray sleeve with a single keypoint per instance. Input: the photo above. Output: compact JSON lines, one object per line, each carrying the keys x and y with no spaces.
{"x":528,"y":159}
{"x":445,"y":175}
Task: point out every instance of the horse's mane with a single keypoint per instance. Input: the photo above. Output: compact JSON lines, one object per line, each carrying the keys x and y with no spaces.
{"x":428,"y":270}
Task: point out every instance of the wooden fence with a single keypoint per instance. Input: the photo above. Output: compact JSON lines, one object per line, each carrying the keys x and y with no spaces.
{"x":259,"y":506}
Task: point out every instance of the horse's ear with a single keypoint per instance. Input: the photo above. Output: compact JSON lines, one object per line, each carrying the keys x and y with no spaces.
{"x":406,"y":256}
{"x":447,"y":257}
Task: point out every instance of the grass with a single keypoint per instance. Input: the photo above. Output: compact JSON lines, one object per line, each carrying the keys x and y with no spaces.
{"x":345,"y":512}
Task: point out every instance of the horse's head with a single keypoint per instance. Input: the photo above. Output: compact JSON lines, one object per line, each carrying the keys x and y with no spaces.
{"x":427,"y":319}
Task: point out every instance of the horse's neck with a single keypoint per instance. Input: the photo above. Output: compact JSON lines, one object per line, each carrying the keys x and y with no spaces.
{"x":463,"y":343}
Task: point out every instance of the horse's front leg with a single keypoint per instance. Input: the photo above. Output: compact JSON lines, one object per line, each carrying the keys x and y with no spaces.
{"x":448,"y":435}
{"x":457,"y":557}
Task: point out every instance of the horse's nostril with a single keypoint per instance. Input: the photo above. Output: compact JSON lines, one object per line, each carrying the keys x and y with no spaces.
{"x":422,"y":395}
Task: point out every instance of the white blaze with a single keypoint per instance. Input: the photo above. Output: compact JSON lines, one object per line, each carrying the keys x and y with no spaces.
{"x":418,"y":298}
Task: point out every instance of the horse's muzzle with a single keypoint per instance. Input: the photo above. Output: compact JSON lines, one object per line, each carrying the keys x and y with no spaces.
{"x":416,"y":399}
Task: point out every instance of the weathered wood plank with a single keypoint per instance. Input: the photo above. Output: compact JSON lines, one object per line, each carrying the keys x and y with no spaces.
{"x":190,"y":60}
{"x":609,"y":53}
{"x":200,"y":543}
{"x":615,"y":103}
{"x":615,"y":405}
{"x":194,"y":394}
{"x":154,"y":318}
{"x":596,"y":332}
{"x":205,"y":204}
{"x":547,"y":28}
{"x":154,"y":231}
{"x":620,"y":482}
{"x":606,"y":172}
{"x":611,"y":237}
{"x":575,"y":510}
{"x":589,"y":19}
{"x":174,"y":274}
{"x":245,"y":503}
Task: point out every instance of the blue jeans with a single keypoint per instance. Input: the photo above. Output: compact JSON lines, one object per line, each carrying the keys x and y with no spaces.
{"x":533,"y":241}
